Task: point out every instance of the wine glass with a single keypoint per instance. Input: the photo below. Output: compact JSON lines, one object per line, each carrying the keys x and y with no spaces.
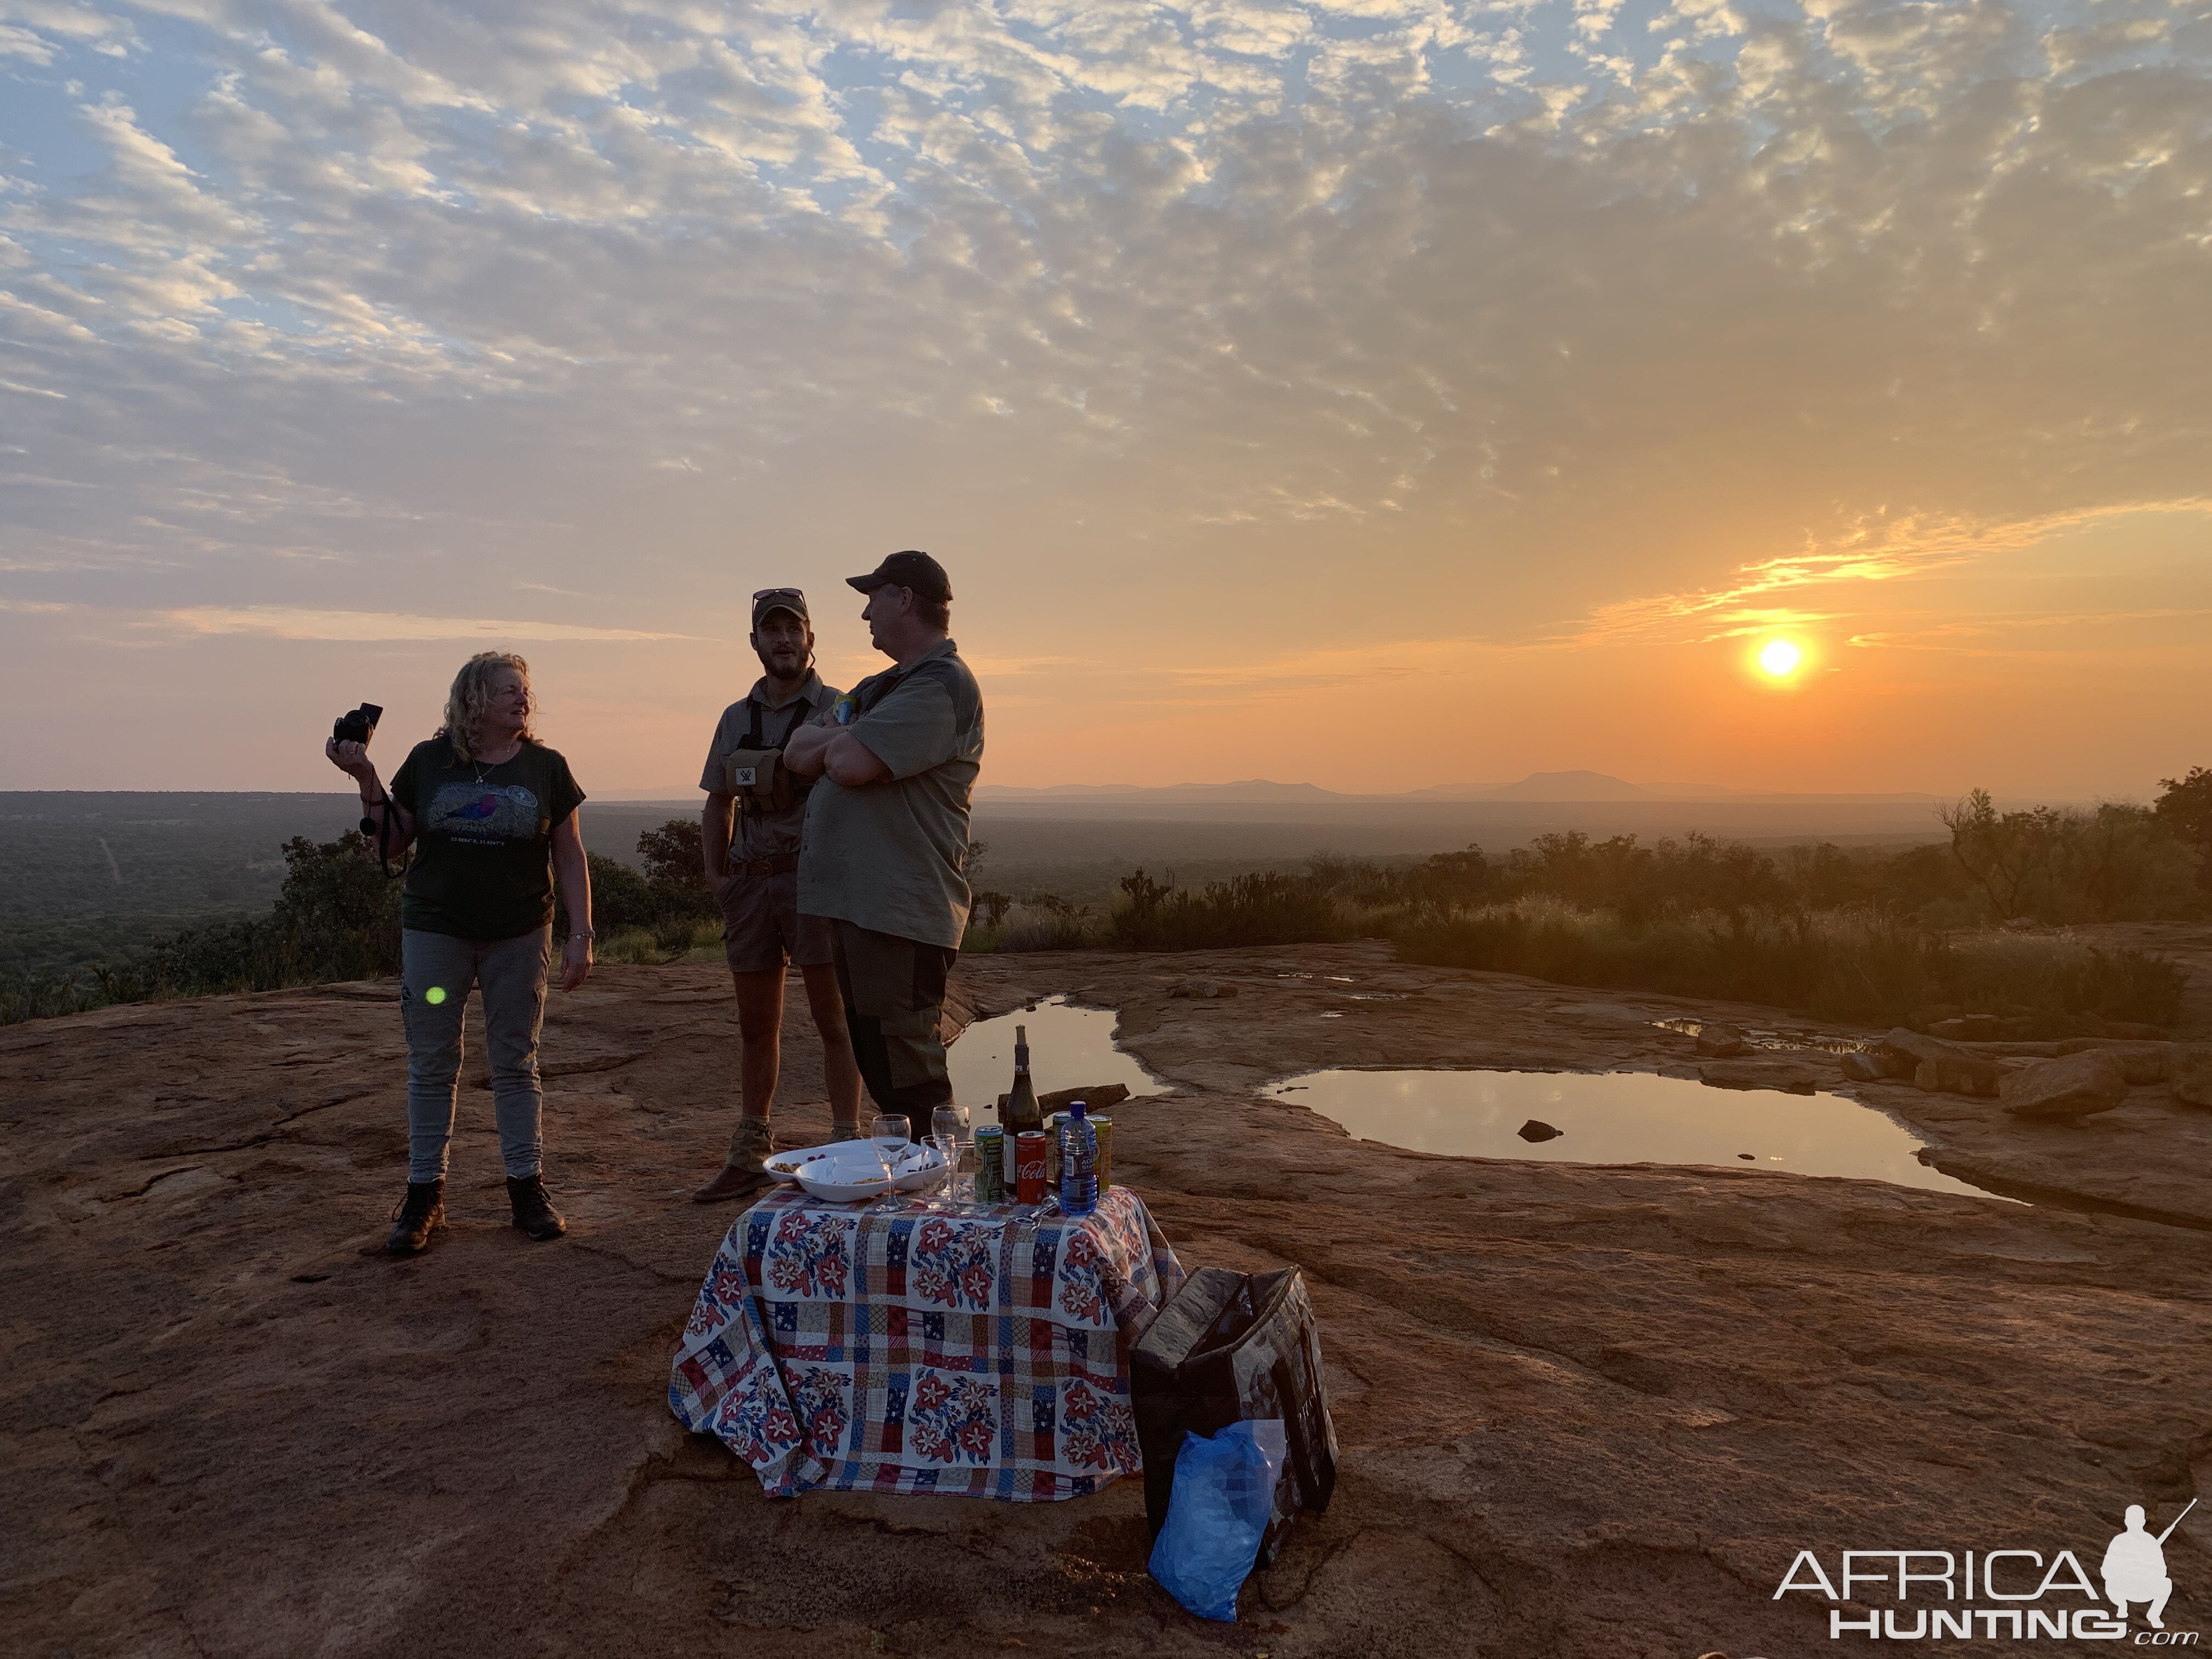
{"x":951,"y":1119}
{"x":944,"y":1193}
{"x":889,"y":1135}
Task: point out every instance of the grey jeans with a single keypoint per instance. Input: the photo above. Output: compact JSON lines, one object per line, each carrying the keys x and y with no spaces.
{"x":436,"y":973}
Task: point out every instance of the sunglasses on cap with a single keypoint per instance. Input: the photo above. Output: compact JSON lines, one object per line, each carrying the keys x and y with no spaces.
{"x":778,"y":593}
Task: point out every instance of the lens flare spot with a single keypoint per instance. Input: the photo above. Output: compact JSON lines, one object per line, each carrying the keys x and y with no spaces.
{"x":1780,"y":659}
{"x":435,"y":995}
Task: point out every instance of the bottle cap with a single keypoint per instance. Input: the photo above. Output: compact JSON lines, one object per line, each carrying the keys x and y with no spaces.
{"x":1076,"y":1109}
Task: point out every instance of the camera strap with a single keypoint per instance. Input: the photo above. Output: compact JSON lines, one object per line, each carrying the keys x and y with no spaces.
{"x":380,"y":831}
{"x":797,"y":719}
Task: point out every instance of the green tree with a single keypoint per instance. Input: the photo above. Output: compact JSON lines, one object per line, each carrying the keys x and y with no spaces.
{"x":2004,"y":852}
{"x":2185,"y":807}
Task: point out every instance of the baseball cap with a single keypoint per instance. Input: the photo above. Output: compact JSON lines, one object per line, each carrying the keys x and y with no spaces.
{"x":781,"y":598}
{"x":908,"y":569}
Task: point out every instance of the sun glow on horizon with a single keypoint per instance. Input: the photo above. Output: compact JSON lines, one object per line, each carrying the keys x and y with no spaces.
{"x":1780,"y":659}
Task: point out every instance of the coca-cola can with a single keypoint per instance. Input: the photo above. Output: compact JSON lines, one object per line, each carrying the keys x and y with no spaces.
{"x":1029,"y":1165}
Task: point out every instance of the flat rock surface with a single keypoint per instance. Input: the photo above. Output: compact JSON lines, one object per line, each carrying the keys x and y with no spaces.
{"x":1586,"y":1411}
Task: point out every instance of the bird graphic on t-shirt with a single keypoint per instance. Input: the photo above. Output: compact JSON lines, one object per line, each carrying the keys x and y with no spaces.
{"x":472,"y":812}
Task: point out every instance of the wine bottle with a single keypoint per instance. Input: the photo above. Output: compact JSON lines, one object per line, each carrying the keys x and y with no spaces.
{"x":1021,"y":1110}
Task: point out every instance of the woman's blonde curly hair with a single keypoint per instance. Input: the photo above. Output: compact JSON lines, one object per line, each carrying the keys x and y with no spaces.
{"x":471,"y":696}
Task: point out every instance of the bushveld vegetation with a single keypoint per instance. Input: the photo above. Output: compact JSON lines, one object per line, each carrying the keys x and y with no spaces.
{"x":337,"y":917}
{"x":1864,"y":934}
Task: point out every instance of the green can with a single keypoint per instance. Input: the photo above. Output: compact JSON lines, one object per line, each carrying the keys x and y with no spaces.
{"x":990,"y":1167}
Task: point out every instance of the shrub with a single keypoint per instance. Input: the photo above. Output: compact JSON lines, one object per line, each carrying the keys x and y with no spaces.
{"x":620,"y":896}
{"x":1859,"y":965}
{"x":1244,"y":910}
{"x":1041,"y":922}
{"x":44,"y":996}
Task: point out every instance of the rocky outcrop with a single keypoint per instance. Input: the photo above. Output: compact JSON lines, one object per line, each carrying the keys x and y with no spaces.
{"x":2076,"y":1085}
{"x":1793,"y":1076}
{"x":1720,"y":1042}
{"x":1585,"y":1412}
{"x":2143,"y":1062}
{"x":1097,"y":1098}
{"x":2191,"y":1073}
{"x":1935,"y":1065}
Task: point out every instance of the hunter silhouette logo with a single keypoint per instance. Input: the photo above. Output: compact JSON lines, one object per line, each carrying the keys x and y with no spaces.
{"x":2015,"y":1595}
{"x":2135,"y":1567}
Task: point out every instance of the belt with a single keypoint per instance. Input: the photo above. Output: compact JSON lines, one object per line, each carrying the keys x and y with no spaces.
{"x":782,"y":864}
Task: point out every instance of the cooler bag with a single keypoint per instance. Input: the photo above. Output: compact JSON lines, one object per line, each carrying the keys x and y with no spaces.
{"x":1231,"y":1348}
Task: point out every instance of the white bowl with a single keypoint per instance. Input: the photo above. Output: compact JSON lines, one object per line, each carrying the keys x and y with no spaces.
{"x":784,"y":1166}
{"x":918,"y":1168}
{"x":845,"y":1174}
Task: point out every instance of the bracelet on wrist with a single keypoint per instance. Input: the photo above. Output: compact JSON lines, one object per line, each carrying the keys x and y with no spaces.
{"x":583,"y":932}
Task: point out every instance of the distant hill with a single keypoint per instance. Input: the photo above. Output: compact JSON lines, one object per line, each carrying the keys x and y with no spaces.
{"x":1544,"y":786}
{"x":1571,"y":786}
{"x":1252,"y":789}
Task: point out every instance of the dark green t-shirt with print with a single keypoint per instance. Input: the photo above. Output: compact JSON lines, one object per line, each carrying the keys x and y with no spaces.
{"x":484,"y":858}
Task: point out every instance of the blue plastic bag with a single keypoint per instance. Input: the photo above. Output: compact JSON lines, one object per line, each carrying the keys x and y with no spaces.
{"x":1224,"y":1488}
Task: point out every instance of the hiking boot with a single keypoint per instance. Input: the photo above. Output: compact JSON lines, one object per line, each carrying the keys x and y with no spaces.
{"x":745,"y":1171}
{"x":424,"y":1208}
{"x":843,"y":1132}
{"x":534,"y":1211}
{"x":730,"y":1182}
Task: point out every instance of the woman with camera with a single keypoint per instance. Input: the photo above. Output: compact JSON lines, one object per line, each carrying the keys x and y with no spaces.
{"x":492,"y":814}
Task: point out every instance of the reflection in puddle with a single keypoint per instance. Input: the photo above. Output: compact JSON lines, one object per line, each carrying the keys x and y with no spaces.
{"x":1621,"y":1117}
{"x":1069,"y":1048}
{"x":1786,"y":1040}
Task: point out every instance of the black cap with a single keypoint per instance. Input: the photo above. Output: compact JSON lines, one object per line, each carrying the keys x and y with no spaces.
{"x":908,"y":569}
{"x":781,"y":598}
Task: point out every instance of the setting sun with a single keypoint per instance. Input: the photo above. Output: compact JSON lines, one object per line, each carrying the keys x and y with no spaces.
{"x":1780,"y":659}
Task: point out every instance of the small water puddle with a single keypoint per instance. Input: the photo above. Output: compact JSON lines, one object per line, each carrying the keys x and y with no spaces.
{"x":1620,"y":1117}
{"x":1786,"y":1040}
{"x":1070,"y":1047}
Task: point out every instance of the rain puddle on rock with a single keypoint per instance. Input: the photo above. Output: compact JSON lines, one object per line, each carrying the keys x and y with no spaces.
{"x":1619,"y":1117}
{"x":1070,"y":1047}
{"x":1785,"y":1039}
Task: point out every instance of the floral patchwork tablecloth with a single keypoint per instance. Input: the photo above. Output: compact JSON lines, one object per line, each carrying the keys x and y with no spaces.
{"x":983,"y":1353}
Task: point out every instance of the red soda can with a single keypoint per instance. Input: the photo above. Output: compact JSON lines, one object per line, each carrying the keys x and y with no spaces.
{"x":1029,"y":1165}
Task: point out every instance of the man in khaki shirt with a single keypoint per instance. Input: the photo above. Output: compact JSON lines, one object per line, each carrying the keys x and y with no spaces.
{"x":750,"y":836}
{"x":885,"y":858}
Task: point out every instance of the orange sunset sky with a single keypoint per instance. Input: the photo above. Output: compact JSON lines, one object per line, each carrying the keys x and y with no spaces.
{"x":1374,"y":394}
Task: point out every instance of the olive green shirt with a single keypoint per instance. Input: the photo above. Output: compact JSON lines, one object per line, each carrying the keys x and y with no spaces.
{"x":892,"y":856}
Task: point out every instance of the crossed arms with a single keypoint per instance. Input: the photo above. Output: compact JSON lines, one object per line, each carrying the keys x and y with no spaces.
{"x":817,"y":751}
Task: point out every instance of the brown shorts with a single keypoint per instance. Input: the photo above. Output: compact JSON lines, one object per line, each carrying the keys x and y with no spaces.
{"x":762,"y":928}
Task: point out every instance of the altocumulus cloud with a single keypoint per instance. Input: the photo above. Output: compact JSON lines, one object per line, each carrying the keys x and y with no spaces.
{"x":1692,"y":301}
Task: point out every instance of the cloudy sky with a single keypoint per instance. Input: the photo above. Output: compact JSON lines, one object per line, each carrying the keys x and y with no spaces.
{"x":1376,"y":392}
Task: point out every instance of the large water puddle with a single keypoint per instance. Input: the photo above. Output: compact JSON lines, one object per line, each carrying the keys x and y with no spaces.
{"x":1070,"y":1047}
{"x":1620,"y":1117}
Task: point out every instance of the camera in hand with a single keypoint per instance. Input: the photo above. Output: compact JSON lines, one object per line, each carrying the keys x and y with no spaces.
{"x":357,"y":727}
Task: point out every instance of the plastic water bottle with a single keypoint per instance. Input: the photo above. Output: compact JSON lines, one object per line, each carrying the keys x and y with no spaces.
{"x":1078,"y":1161}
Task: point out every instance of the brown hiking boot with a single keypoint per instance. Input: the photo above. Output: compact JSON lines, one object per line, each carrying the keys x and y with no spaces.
{"x":730,"y":1181}
{"x":843,"y":1132}
{"x":534,"y":1211}
{"x":424,"y":1208}
{"x":744,"y":1172}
